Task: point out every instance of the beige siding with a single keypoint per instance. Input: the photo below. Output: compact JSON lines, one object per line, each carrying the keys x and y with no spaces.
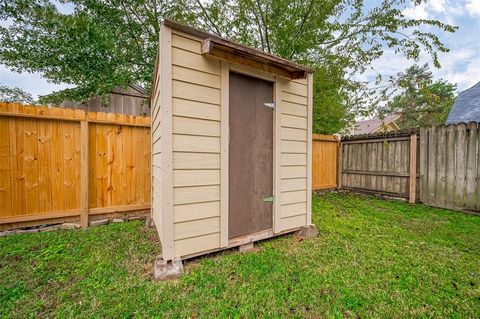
{"x":196,"y":147}
{"x":156,"y":159}
{"x":293,"y":135}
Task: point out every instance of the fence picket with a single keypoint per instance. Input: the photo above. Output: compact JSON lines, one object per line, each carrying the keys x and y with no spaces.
{"x":440,"y":161}
{"x":460,"y":165}
{"x":450,"y":167}
{"x":471,"y":166}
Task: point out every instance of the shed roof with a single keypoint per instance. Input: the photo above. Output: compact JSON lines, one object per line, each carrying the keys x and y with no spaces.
{"x":466,"y":107}
{"x":226,"y":49}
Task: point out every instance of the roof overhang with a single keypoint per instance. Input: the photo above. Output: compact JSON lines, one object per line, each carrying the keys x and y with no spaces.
{"x":228,"y":50}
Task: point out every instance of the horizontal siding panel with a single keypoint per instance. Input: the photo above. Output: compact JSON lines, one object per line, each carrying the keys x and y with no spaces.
{"x":196,"y":228}
{"x":157,"y":171}
{"x":156,"y":133}
{"x":157,"y":147}
{"x":294,"y":98}
{"x":202,"y":144}
{"x":195,"y":211}
{"x":294,"y":171}
{"x":196,"y":161}
{"x":186,"y":44}
{"x":301,"y":81}
{"x":157,"y":159}
{"x":196,"y":244}
{"x":195,"y":177}
{"x":294,"y":147}
{"x":294,"y":184}
{"x":293,"y":109}
{"x":294,"y":159}
{"x":194,"y":61}
{"x":293,"y":222}
{"x":295,"y":88}
{"x":294,"y":134}
{"x":293,"y":209}
{"x":293,"y":121}
{"x":195,"y":109}
{"x":293,"y":197}
{"x":195,"y":92}
{"x":196,"y":77}
{"x":190,"y":195}
{"x":184,"y":125}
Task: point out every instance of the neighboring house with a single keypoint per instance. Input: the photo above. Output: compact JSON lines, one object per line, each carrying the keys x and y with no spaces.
{"x":466,"y":107}
{"x":133,"y":100}
{"x":376,"y":125}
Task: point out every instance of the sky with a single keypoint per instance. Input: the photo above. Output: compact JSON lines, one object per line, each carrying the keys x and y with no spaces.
{"x":461,"y":65}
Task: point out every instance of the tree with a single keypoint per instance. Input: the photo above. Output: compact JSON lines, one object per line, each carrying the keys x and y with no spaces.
{"x":98,"y":46}
{"x":422,"y":102}
{"x":105,"y":43}
{"x":15,"y":94}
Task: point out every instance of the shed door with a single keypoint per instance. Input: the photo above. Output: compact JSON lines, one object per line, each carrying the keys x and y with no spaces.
{"x":251,"y":155}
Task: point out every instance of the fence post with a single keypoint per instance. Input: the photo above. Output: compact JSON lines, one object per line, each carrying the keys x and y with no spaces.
{"x":413,"y":168}
{"x":84,"y":174}
{"x":339,"y":164}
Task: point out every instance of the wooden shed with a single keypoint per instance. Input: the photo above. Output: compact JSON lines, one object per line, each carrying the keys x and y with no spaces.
{"x":231,"y":144}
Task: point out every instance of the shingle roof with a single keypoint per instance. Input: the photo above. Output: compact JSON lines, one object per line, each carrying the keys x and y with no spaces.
{"x":466,"y":107}
{"x":369,"y":126}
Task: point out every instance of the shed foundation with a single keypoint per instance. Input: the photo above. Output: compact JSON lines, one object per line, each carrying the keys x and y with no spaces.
{"x":308,"y":232}
{"x":166,"y":270}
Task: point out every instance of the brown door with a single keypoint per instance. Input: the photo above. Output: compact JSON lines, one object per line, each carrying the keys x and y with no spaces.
{"x":250,"y":155}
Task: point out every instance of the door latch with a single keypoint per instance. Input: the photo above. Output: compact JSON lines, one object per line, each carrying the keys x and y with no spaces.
{"x":268,"y":199}
{"x":270,"y":105}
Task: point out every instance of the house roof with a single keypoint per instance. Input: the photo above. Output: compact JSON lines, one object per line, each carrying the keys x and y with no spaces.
{"x":466,"y":107}
{"x":226,"y":49}
{"x":372,"y":125}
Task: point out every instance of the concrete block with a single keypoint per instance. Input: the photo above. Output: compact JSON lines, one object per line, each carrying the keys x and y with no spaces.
{"x":98,"y":222}
{"x":50,"y":228}
{"x":149,"y":222}
{"x":245,"y":247}
{"x":308,"y":232}
{"x":117,"y":220}
{"x":70,"y":226}
{"x":27,"y":231}
{"x":166,"y":270}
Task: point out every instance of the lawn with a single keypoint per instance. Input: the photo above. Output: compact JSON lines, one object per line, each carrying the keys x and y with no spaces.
{"x":373,"y":258}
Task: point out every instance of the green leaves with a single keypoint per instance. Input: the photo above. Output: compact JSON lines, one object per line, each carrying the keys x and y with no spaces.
{"x":421,"y":101}
{"x":15,"y":94}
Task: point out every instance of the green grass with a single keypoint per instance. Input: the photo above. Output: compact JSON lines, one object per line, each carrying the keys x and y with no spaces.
{"x":373,"y":258}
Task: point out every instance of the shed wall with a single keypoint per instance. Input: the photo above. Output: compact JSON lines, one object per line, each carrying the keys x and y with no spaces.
{"x":196,"y":146}
{"x":157,"y":206}
{"x":187,"y":149}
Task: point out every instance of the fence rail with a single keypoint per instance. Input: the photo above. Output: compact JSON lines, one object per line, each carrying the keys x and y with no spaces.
{"x":59,"y":163}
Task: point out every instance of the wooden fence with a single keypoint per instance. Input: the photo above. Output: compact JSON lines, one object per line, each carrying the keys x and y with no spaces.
{"x":64,"y":164}
{"x":450,"y":166}
{"x":324,"y":161}
{"x":381,"y":163}
{"x":446,"y":157}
